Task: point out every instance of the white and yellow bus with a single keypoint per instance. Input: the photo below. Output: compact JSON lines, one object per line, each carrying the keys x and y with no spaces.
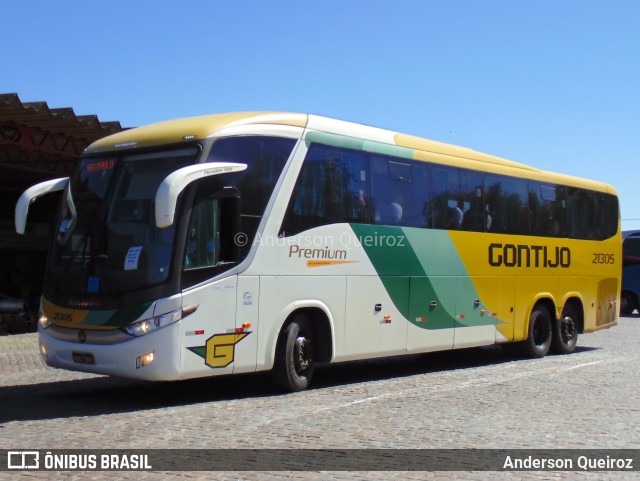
{"x":245,"y":242}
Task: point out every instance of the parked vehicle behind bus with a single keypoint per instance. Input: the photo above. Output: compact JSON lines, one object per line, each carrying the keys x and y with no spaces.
{"x":630,"y":294}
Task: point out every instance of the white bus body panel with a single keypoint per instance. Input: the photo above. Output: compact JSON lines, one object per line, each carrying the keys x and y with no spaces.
{"x":370,"y":332}
{"x":280,"y":296}
{"x":215,"y":316}
{"x":247,"y":318}
{"x":122,"y":361}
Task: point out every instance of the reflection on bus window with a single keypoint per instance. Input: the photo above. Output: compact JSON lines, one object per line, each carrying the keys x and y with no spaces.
{"x":332,"y":187}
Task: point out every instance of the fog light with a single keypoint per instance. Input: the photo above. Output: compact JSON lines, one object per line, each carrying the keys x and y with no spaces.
{"x":145,"y":360}
{"x":43,"y":351}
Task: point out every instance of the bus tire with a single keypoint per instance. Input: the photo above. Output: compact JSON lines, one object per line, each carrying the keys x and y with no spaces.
{"x":565,"y":331}
{"x":538,"y":341}
{"x":294,"y":363}
{"x":627,"y":303}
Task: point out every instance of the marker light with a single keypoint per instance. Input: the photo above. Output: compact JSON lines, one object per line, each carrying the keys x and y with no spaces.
{"x":146,"y":326}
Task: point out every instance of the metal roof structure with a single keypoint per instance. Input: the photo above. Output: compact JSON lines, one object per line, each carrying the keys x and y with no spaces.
{"x":38,"y":142}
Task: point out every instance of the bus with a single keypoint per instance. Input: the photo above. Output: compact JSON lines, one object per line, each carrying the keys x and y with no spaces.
{"x":630,"y":272}
{"x":244,"y":242}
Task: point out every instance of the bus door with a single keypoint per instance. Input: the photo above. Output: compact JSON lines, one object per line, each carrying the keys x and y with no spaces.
{"x":210,"y":333}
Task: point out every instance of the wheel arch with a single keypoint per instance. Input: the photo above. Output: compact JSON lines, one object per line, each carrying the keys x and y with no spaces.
{"x":322,"y":321}
{"x":547,"y":301}
{"x":574,"y":300}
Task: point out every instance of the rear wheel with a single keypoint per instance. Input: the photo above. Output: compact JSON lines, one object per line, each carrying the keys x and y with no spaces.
{"x":540,"y":334}
{"x":565,"y":331}
{"x":294,"y":364}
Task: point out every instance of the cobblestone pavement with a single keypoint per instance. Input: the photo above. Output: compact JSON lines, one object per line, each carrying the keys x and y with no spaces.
{"x":476,"y":398}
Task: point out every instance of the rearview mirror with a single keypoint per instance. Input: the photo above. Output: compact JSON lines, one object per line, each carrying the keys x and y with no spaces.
{"x":30,"y":195}
{"x":171,"y":187}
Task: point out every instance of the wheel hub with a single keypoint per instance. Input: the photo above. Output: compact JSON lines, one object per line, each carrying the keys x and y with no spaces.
{"x":568,"y":329}
{"x":301,"y":354}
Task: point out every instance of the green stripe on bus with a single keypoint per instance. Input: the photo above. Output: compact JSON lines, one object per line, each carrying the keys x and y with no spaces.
{"x":419,"y":267}
{"x":358,"y":144}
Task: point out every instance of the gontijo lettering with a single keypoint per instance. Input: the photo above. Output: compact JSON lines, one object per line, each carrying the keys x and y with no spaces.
{"x":522,"y":255}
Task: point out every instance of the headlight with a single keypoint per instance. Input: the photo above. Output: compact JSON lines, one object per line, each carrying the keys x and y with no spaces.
{"x":43,"y":320}
{"x":146,"y":326}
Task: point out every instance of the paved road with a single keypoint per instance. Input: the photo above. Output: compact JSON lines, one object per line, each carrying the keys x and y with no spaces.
{"x":475,"y":398}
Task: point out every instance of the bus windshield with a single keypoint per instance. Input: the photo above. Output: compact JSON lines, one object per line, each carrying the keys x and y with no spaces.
{"x":106,"y":238}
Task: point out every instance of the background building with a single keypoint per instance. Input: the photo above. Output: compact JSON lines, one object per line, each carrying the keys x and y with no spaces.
{"x":36,"y":143}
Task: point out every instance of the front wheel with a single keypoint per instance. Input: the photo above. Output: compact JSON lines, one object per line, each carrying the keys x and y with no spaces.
{"x":294,"y":364}
{"x":565,"y":332}
{"x":538,"y":341}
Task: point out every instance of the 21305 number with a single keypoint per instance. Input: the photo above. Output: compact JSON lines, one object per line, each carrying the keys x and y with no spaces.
{"x":600,"y":258}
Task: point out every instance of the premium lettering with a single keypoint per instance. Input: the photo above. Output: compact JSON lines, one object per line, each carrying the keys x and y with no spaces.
{"x":326,"y":253}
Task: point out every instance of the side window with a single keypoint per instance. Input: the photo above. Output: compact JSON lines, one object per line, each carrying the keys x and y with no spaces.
{"x":456,"y":202}
{"x":392,"y":191}
{"x":446,"y":208}
{"x":607,"y":216}
{"x":210,"y":246}
{"x":548,"y":213}
{"x":580,"y":209}
{"x":471,"y":197}
{"x":332,"y":187}
{"x":506,"y":205}
{"x":265,"y":158}
{"x":399,"y":191}
{"x":203,"y":236}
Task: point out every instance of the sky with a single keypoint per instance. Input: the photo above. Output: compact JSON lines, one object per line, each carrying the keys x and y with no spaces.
{"x":550,"y":83}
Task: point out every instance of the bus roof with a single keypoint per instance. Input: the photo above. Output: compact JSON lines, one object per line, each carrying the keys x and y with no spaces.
{"x":196,"y":128}
{"x":191,"y":128}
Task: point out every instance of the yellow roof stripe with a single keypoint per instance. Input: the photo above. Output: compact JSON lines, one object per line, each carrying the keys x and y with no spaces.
{"x":425,"y":145}
{"x":192,"y":128}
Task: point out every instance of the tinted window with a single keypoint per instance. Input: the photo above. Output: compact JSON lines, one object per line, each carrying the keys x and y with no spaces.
{"x":547,"y":209}
{"x":506,"y":205}
{"x":607,"y":215}
{"x":580,"y":212}
{"x":341,"y":185}
{"x":470,"y":195}
{"x":332,"y":187}
{"x":393,"y":191}
{"x":445,"y":207}
{"x":265,"y":158}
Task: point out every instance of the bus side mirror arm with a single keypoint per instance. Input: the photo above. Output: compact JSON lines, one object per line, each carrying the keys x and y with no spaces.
{"x":31,"y":194}
{"x":171,"y":187}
